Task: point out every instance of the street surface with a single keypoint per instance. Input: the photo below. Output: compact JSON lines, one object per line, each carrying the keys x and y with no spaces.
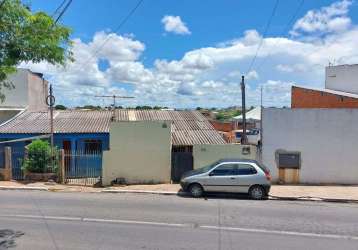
{"x":48,"y":220}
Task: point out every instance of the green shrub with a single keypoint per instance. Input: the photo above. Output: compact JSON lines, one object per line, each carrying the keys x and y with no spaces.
{"x":38,"y":158}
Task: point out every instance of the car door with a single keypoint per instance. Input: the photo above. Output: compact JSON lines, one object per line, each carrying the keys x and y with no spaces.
{"x":247,"y":176}
{"x":222,"y":178}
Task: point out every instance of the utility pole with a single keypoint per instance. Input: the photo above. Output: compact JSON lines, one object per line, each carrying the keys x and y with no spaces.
{"x":243,"y":136}
{"x":114,"y":100}
{"x":50,"y":100}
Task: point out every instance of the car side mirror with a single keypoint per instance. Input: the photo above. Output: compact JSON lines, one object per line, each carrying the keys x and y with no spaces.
{"x":211,"y":173}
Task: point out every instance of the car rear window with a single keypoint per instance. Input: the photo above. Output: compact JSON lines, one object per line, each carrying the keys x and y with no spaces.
{"x":246,"y":169}
{"x":263,"y":167}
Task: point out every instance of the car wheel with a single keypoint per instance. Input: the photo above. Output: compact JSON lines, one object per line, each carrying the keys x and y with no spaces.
{"x":196,"y":190}
{"x":257,"y":193}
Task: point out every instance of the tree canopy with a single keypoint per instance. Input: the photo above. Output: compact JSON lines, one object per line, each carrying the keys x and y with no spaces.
{"x":29,"y":37}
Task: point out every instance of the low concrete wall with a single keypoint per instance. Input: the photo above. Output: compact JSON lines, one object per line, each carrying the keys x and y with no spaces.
{"x":206,"y":154}
{"x":140,"y":152}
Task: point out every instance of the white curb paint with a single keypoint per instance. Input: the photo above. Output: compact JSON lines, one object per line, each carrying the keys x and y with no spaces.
{"x":23,"y":188}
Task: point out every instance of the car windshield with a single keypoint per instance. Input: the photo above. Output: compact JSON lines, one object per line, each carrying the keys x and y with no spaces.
{"x":207,"y":168}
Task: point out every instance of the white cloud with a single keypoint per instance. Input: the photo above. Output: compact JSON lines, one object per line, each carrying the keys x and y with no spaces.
{"x":332,"y":18}
{"x":206,"y":77}
{"x":249,"y":76}
{"x":175,"y":24}
{"x":116,"y":48}
{"x":289,"y":68}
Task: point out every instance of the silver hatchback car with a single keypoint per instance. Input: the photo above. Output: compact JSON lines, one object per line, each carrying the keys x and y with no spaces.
{"x":229,"y":175}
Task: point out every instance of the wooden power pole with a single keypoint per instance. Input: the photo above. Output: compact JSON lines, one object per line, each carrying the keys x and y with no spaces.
{"x":243,"y":137}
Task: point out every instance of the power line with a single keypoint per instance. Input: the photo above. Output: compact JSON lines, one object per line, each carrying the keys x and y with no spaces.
{"x":263,"y":36}
{"x":58,"y":8}
{"x":285,"y":30}
{"x":126,"y":18}
{"x":63,"y":11}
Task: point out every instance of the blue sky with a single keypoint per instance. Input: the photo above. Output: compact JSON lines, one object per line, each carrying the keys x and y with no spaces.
{"x":192,"y":53}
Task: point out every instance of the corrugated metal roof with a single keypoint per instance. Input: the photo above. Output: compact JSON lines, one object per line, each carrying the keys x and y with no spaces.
{"x":64,"y":122}
{"x":189,"y":127}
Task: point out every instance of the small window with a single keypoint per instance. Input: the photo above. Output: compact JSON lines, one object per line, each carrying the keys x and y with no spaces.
{"x":246,"y":169}
{"x":226,"y":169}
{"x":93,"y":146}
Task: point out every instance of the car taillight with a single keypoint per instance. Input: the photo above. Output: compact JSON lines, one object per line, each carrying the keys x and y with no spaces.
{"x":268,"y":176}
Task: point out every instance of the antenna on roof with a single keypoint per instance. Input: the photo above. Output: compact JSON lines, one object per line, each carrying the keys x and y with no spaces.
{"x":114,"y":100}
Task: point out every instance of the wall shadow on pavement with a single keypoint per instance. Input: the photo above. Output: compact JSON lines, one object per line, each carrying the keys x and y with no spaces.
{"x":8,"y":238}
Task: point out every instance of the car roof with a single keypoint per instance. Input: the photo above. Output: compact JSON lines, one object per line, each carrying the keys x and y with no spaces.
{"x":236,"y":160}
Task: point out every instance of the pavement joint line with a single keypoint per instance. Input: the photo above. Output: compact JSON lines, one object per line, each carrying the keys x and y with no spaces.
{"x":279,"y":232}
{"x":136,"y":222}
{"x":237,"y":229}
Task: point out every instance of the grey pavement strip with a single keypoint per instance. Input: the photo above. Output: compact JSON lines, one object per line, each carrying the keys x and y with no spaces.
{"x":207,"y":227}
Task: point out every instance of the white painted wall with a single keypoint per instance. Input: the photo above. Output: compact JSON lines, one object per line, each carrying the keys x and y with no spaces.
{"x":342,"y":78}
{"x":207,"y":154}
{"x":37,"y":92}
{"x":326,"y":138}
{"x":30,"y":91}
{"x":140,"y":152}
{"x":17,"y":97}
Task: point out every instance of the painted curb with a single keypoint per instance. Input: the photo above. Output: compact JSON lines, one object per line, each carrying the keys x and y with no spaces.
{"x":23,"y":188}
{"x":307,"y":198}
{"x":142,"y":192}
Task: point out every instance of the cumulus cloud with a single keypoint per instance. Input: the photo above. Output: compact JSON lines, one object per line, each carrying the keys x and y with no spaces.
{"x":175,"y":25}
{"x":208,"y":76}
{"x":332,"y":18}
{"x":291,"y":68}
{"x":249,"y":76}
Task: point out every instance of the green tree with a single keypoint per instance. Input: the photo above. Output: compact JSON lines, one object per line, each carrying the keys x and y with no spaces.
{"x":60,"y":107}
{"x":237,"y":112}
{"x":29,"y":37}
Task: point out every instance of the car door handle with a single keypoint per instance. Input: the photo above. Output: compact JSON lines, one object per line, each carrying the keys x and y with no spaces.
{"x":232,"y":178}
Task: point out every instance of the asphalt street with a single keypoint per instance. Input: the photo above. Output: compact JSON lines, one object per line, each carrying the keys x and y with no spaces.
{"x":47,"y":220}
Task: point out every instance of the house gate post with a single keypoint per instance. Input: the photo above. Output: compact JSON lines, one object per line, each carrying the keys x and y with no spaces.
{"x":8,"y":164}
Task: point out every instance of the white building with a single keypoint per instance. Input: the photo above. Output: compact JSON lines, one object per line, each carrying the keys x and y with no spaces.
{"x":253,"y":116}
{"x":342,"y":78}
{"x":311,"y":145}
{"x":30,"y":91}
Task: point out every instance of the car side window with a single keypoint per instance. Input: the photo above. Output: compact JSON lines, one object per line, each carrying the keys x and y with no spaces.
{"x":225,"y":169}
{"x":246,"y":169}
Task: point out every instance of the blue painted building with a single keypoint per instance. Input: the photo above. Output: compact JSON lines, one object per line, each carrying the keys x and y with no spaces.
{"x":80,"y":133}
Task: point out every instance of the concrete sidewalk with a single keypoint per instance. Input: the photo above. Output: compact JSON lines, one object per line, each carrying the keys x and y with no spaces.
{"x":289,"y":192}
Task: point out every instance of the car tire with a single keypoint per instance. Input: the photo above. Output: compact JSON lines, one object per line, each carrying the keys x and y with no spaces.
{"x":257,"y":192}
{"x":196,"y":190}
